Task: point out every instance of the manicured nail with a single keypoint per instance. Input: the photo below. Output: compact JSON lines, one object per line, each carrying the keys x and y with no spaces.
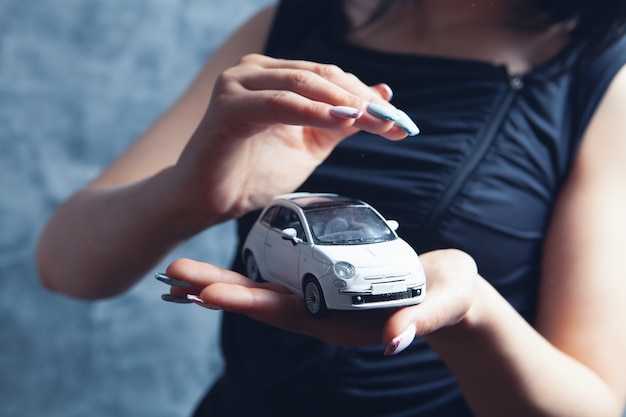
{"x":175,"y":299}
{"x":345,"y":112}
{"x":199,"y":301}
{"x":171,"y":281}
{"x":405,"y":123}
{"x":401,"y":342}
{"x":383,"y":112}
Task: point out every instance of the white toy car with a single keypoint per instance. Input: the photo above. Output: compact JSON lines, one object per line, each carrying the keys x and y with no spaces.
{"x":337,"y":252}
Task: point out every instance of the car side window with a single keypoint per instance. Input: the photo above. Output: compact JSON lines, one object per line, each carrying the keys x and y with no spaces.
{"x":287,"y":218}
{"x":269,"y":215}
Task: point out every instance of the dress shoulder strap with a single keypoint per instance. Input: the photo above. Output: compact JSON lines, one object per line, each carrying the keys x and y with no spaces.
{"x":593,"y":78}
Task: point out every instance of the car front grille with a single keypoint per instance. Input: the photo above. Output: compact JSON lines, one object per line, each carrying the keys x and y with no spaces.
{"x":366,"y":299}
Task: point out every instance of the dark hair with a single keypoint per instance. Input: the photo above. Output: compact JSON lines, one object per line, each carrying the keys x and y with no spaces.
{"x":601,"y":22}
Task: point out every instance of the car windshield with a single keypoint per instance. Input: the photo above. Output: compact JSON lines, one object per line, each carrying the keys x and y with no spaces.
{"x":347,"y":225}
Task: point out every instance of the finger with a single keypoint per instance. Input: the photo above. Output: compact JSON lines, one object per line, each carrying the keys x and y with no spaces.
{"x":261,"y":109}
{"x":304,"y":71}
{"x":291,"y":97}
{"x":308,"y":84}
{"x":287,"y":311}
{"x":330,"y":72}
{"x":384,"y":91}
{"x":267,"y":107}
{"x":270,"y":304}
{"x":450,"y":282}
{"x":201,"y":274}
{"x":328,"y":84}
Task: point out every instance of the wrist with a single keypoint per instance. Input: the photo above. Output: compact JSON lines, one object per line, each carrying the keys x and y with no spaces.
{"x":184,"y":214}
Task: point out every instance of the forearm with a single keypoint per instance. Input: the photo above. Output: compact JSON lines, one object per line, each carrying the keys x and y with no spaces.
{"x":505,"y":368}
{"x":104,"y":239}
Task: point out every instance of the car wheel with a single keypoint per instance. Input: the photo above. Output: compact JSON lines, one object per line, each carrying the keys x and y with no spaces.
{"x":252,"y":269}
{"x":314,"y":298}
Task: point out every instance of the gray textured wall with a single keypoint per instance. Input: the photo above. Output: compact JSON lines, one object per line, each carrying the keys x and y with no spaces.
{"x":79,"y":79}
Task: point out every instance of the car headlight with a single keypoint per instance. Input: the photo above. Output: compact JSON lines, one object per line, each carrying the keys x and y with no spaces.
{"x":344,"y":270}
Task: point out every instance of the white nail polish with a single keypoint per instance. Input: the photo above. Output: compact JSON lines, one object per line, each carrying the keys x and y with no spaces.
{"x":195,"y":299}
{"x":401,"y":342}
{"x":383,"y":112}
{"x":199,"y":301}
{"x":346,"y":112}
{"x":405,"y":123}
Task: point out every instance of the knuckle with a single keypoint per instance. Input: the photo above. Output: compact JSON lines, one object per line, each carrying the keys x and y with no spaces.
{"x":351,"y":76}
{"x":227,"y":77}
{"x":329,"y":71}
{"x":224,"y":86}
{"x":278,"y":100}
{"x":298,"y":79}
{"x":250,"y":59}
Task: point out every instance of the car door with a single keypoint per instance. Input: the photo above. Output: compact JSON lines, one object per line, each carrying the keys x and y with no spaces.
{"x":257,"y":237}
{"x":282,"y":256}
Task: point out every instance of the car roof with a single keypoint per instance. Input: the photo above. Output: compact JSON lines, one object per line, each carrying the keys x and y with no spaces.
{"x":320,"y":200}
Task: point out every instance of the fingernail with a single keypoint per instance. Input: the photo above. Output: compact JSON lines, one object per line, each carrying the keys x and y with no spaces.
{"x":170,"y":281}
{"x":199,"y":301}
{"x":401,"y":342}
{"x":383,"y":112}
{"x":346,"y":112}
{"x":175,"y":299}
{"x":405,"y":123}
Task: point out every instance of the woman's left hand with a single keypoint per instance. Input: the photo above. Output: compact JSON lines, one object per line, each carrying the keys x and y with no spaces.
{"x":451,"y":277}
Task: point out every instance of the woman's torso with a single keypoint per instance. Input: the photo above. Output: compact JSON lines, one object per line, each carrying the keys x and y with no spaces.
{"x":482,"y":177}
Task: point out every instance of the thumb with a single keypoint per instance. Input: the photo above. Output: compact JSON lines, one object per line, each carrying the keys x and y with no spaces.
{"x":401,"y":329}
{"x":451,"y":277}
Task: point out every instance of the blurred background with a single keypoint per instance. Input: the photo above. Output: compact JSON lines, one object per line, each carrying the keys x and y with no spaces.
{"x":79,"y":80}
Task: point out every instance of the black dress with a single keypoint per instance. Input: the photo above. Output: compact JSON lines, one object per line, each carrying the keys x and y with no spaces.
{"x":482,"y":176}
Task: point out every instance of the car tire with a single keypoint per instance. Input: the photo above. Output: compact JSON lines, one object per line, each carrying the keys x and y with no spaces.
{"x":314,"y":298}
{"x":252,"y":269}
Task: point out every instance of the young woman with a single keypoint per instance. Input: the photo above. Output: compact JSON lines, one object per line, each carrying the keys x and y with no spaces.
{"x":514,"y":194}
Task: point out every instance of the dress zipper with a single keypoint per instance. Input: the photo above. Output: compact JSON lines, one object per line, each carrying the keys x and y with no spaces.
{"x":488,"y":134}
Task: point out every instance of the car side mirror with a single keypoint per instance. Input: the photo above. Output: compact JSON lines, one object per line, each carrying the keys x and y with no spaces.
{"x":290,"y":234}
{"x":393,"y":224}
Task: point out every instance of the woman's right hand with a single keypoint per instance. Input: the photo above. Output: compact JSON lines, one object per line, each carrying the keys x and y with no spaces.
{"x":269,"y":124}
